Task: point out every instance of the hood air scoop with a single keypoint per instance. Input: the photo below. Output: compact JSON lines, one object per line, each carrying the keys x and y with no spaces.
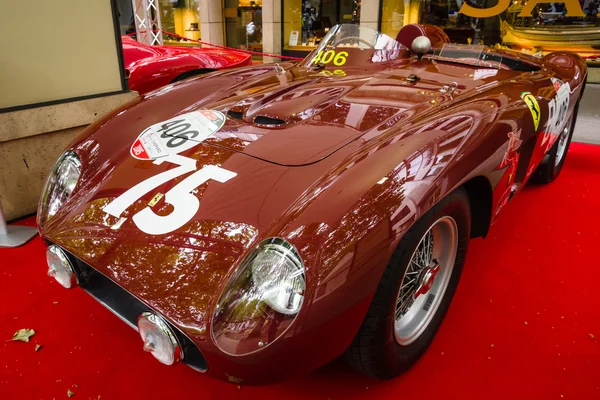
{"x":235,"y":114}
{"x":263,"y":120}
{"x":294,"y":106}
{"x":269,"y":121}
{"x":288,"y":105}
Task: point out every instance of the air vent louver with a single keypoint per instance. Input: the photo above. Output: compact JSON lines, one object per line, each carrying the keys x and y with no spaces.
{"x":235,"y":114}
{"x":262,"y":120}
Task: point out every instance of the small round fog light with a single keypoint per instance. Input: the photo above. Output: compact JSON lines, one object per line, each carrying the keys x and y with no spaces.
{"x":159,"y":339}
{"x":59,"y":267}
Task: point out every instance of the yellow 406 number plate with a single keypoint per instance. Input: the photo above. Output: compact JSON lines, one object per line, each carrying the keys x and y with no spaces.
{"x":338,"y":59}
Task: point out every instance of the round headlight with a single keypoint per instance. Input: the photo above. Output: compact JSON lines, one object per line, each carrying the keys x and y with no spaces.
{"x":59,"y":186}
{"x":159,"y":339}
{"x":261,"y":300}
{"x":59,"y":267}
{"x":278,"y":273}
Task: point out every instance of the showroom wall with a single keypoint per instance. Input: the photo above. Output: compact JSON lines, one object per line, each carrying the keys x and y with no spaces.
{"x":60,"y":48}
{"x":61,"y":70}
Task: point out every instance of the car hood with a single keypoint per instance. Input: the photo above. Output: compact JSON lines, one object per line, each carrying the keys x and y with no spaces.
{"x":293,"y":116}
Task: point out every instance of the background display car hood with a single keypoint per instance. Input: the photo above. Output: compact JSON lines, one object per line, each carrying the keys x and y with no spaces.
{"x":136,"y":54}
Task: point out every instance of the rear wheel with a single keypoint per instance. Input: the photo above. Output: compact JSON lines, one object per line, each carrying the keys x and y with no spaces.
{"x":552,"y":164}
{"x":415,"y":291}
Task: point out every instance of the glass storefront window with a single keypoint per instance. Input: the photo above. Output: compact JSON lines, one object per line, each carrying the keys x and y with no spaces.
{"x":548,"y":28}
{"x":459,"y":27}
{"x":306,"y":22}
{"x":545,"y":27}
{"x":181,"y":17}
{"x":126,"y":18}
{"x":392,"y":16}
{"x":243,"y":24}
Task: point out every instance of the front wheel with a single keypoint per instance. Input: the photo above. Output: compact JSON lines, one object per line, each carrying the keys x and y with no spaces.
{"x":415,"y":291}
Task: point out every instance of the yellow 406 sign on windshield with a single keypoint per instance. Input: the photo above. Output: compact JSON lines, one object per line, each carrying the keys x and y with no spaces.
{"x":338,"y":59}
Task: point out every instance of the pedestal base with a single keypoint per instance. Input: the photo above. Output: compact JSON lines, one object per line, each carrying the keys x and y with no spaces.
{"x":17,"y":236}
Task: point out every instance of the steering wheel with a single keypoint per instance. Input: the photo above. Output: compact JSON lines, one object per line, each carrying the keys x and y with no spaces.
{"x":354,"y":38}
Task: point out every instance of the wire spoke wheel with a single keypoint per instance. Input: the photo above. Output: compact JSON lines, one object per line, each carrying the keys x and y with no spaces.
{"x":415,"y":290}
{"x":425,"y":280}
{"x":563,"y":141}
{"x":553,"y":161}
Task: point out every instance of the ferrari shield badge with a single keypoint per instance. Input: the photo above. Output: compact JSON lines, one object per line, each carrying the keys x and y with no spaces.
{"x":176,"y":135}
{"x":534,"y":107}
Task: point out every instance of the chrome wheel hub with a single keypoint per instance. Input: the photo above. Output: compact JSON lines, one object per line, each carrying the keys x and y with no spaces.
{"x":425,"y":280}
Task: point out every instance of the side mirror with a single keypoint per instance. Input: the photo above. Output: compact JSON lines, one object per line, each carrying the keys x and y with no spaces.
{"x":421,"y":45}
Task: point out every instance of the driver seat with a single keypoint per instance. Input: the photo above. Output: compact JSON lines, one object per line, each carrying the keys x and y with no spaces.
{"x":410,"y":32}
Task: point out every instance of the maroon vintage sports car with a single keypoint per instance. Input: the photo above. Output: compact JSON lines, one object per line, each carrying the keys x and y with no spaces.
{"x":257,"y":223}
{"x":151,"y":67}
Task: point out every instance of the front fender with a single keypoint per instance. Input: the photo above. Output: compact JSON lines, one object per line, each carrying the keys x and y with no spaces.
{"x":350,"y":222}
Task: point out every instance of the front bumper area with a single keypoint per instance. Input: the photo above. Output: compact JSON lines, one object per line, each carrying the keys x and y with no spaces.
{"x":128,"y":308}
{"x":317,"y":339}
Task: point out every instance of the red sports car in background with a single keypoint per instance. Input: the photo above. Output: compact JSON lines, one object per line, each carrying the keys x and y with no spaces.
{"x":150,"y":67}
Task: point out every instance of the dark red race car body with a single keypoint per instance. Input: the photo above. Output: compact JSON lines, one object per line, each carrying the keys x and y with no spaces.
{"x":340,"y":164}
{"x":151,"y":67}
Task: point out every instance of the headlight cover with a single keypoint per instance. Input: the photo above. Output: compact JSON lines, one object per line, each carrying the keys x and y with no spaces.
{"x":159,"y":339}
{"x":59,"y":267}
{"x":59,"y":186}
{"x":261,"y":300}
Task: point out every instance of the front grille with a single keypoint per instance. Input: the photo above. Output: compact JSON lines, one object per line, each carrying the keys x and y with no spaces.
{"x":128,"y":308}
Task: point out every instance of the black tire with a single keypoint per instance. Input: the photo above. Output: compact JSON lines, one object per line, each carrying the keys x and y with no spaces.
{"x":375,"y":350}
{"x":191,"y":74}
{"x":548,"y":170}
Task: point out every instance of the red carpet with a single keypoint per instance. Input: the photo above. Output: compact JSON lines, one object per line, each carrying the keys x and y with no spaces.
{"x":525,"y":322}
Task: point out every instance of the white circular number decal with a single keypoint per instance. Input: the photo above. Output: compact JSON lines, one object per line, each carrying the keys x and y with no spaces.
{"x":176,"y":134}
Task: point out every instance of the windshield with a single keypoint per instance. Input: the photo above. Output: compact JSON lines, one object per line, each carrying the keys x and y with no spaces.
{"x":349,"y":44}
{"x":476,"y":55}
